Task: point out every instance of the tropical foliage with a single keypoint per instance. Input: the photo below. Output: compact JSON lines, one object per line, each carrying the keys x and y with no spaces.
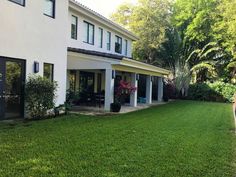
{"x":196,"y":39}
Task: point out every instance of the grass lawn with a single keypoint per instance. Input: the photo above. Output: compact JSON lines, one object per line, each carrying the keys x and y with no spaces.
{"x":183,"y":138}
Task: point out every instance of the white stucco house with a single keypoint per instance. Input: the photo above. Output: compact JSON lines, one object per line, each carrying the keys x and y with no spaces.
{"x":73,"y":45}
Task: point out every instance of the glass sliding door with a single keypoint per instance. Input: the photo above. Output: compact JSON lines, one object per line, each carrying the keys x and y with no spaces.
{"x":12,"y":88}
{"x":86,"y":86}
{"x":86,"y":82}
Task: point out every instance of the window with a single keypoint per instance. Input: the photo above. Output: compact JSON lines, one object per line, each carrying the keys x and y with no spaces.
{"x":72,"y":80}
{"x":48,"y":71}
{"x":74,"y":27}
{"x":118,"y":45}
{"x":100,"y":37}
{"x":89,"y":33}
{"x":126,"y":47}
{"x":49,"y":8}
{"x":108,"y":40}
{"x":20,"y":2}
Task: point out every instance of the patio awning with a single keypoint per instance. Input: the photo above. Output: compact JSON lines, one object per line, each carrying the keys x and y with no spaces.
{"x":86,"y":59}
{"x":133,"y":66}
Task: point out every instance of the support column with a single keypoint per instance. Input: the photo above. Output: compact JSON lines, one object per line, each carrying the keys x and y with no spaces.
{"x":149,"y":90}
{"x":109,"y":89}
{"x":160,"y":89}
{"x":133,"y":96}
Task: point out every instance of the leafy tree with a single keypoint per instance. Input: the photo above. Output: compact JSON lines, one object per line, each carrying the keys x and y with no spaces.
{"x":148,"y":20}
{"x":194,"y":20}
{"x":196,"y":39}
{"x":225,"y":34}
{"x":225,"y":28}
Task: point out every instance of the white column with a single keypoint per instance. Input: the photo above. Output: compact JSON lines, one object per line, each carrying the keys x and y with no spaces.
{"x":133,"y":96}
{"x":149,"y":90}
{"x":160,"y":89}
{"x":109,"y":89}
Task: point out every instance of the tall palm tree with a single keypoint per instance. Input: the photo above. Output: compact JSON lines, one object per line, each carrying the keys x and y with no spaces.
{"x":203,"y":62}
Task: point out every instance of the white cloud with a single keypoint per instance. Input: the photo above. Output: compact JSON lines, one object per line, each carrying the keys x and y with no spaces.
{"x":104,"y":7}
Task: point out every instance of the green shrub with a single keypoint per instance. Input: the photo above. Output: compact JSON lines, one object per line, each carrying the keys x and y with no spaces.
{"x":40,"y":95}
{"x":217,"y":91}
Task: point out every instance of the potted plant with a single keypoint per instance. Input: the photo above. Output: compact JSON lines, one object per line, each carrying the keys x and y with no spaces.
{"x":124,"y":89}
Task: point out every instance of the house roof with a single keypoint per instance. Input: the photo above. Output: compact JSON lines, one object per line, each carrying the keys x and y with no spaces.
{"x":95,"y":53}
{"x":100,"y":18}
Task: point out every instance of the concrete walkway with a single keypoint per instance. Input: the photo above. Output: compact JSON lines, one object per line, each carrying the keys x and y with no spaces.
{"x":89,"y":110}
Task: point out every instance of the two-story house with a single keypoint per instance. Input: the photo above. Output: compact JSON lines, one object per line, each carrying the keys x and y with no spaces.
{"x":65,"y":41}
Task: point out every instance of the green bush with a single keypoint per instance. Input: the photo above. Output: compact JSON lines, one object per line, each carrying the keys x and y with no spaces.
{"x":217,"y":91}
{"x":40,"y":95}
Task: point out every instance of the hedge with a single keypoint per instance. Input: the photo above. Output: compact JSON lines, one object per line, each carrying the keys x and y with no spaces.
{"x":217,"y":91}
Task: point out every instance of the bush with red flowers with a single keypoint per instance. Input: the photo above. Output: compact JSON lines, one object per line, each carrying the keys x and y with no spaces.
{"x":124,"y":90}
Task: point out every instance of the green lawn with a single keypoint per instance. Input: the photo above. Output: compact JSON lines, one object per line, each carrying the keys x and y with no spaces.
{"x":182,"y":138}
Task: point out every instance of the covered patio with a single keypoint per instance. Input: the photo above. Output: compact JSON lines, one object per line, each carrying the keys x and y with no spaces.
{"x":96,"y":78}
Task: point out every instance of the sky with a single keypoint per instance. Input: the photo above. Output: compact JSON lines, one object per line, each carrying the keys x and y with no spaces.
{"x":104,"y":7}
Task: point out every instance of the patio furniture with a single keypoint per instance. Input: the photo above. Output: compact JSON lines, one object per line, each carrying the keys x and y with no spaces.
{"x":142,"y":100}
{"x":100,"y":98}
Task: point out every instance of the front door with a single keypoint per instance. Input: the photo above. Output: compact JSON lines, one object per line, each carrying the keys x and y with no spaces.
{"x":12,"y":78}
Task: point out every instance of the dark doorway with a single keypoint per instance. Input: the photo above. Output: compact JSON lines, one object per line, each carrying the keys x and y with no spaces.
{"x":99,"y":83}
{"x":142,"y":86}
{"x":154,"y":88}
{"x":12,"y":79}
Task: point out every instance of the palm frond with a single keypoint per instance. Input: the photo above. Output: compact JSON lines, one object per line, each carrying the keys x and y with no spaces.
{"x":232,"y":64}
{"x":208,"y":45}
{"x":197,"y":51}
{"x":205,"y":65}
{"x":206,"y":53}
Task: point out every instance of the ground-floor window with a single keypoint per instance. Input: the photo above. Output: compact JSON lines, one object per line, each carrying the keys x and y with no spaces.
{"x":48,"y":71}
{"x":72,"y":80}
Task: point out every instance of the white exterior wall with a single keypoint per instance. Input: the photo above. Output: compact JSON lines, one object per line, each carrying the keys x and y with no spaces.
{"x":26,"y":33}
{"x":81,"y":32}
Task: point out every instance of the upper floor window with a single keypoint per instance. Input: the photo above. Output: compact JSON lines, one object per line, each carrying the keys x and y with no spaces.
{"x":20,"y":2}
{"x":89,"y":33}
{"x":49,"y":8}
{"x":118,"y":45}
{"x":126,"y":47}
{"x":108,"y":40}
{"x":74,"y":27}
{"x":100,"y":37}
{"x":48,"y":71}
